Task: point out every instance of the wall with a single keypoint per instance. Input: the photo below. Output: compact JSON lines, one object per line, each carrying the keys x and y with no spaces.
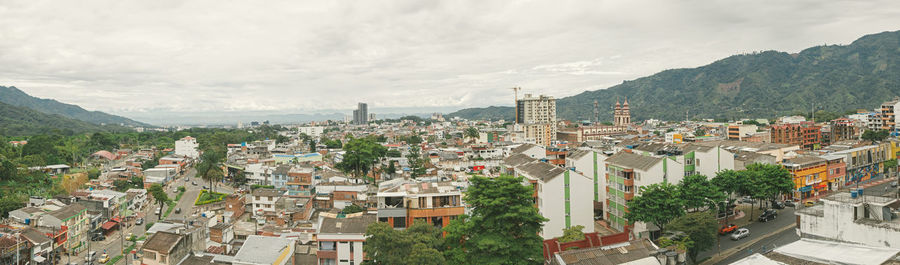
{"x":837,"y":224}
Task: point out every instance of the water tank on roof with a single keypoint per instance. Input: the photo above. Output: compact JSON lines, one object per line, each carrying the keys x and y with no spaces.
{"x":853,"y":194}
{"x":860,"y":192}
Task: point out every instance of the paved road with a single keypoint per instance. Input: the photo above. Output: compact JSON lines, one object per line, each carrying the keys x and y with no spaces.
{"x":757,"y":229}
{"x":766,"y":244}
{"x":786,"y":218}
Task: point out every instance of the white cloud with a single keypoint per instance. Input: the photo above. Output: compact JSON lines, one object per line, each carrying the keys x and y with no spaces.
{"x":194,"y":56}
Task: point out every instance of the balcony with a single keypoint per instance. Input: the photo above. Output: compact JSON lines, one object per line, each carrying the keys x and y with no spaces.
{"x":629,"y":182}
{"x":629,"y":196}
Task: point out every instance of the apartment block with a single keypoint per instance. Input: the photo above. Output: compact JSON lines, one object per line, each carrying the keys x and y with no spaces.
{"x":559,"y":194}
{"x":401,"y":202}
{"x":263,"y":201}
{"x":626,"y":172}
{"x":806,"y":134}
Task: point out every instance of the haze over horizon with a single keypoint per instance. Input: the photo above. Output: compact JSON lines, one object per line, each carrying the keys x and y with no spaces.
{"x":151,"y":59}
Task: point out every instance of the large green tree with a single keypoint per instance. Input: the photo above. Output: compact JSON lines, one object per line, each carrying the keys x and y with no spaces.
{"x":700,"y":227}
{"x":159,"y":196}
{"x":696,"y":192}
{"x":418,"y":244}
{"x":658,"y":204}
{"x":502,"y":228}
{"x":361,"y":154}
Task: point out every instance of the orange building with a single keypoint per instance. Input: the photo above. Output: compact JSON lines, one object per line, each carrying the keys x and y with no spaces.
{"x":810,"y":175}
{"x":405,"y":202}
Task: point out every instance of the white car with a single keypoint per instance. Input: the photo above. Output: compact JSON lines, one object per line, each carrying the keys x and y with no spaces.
{"x":740,"y":233}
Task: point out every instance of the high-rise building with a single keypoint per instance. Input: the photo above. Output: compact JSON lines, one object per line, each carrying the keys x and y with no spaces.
{"x":361,"y":114}
{"x":537,"y":116}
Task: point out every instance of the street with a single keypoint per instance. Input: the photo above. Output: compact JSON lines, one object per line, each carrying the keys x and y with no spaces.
{"x":114,"y":242}
{"x":757,"y":230}
{"x":786,"y":218}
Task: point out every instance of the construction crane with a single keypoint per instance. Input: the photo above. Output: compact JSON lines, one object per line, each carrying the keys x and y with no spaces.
{"x":516,"y":102}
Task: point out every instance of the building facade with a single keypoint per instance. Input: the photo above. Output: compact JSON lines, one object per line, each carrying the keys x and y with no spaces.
{"x":187,"y":147}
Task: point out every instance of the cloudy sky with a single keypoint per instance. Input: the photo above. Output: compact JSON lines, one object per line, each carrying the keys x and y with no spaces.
{"x":312,"y":56}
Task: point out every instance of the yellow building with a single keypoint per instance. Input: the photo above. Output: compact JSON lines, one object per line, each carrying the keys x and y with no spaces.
{"x":810,"y":175}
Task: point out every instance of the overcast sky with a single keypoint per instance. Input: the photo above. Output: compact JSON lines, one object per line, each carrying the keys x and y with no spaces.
{"x":199,"y":56}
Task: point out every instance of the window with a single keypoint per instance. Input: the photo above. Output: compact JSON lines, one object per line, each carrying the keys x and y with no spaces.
{"x":257,"y":198}
{"x":697,"y":163}
{"x":326,"y":245}
{"x":150,"y":255}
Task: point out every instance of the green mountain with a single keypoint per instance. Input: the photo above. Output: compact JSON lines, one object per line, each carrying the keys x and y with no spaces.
{"x":20,"y":121}
{"x":13,"y":96}
{"x":836,"y":78}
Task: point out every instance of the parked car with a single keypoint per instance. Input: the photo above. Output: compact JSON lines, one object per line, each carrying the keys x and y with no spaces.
{"x":205,"y":188}
{"x":177,"y":210}
{"x":740,"y":233}
{"x":139,"y":221}
{"x":894,"y":184}
{"x":809,"y":204}
{"x":91,"y":256}
{"x":748,"y":199}
{"x":194,"y":183}
{"x":98,"y":237}
{"x":769,"y":214}
{"x":727,"y":229}
{"x":789,"y":203}
{"x":104,"y":258}
{"x":777,"y":205}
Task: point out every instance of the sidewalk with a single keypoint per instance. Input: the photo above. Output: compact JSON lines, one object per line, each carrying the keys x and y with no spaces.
{"x":847,"y":189}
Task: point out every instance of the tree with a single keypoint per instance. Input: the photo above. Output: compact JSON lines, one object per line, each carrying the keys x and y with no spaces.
{"x":471,"y":132}
{"x":10,"y":203}
{"x":770,"y":181}
{"x":391,"y":169}
{"x":890,"y":165}
{"x":353,"y":208}
{"x":699,"y":132}
{"x":696,"y":192}
{"x":658,"y":204}
{"x":868,"y":135}
{"x":393,"y":153}
{"x":159,"y":196}
{"x":93,"y":173}
{"x":503,"y":226}
{"x":572,"y":234}
{"x":418,"y":244}
{"x":416,"y":162}
{"x":700,"y":227}
{"x":361,"y":155}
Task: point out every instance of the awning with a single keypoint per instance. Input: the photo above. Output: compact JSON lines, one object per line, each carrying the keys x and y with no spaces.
{"x":39,"y":259}
{"x":108,"y":225}
{"x":117,"y":219}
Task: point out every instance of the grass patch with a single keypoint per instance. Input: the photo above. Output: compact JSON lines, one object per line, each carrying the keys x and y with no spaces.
{"x":207,"y":197}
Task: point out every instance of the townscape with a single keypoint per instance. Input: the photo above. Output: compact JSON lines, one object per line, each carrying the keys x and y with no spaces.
{"x":408,"y":190}
{"x":402,"y":132}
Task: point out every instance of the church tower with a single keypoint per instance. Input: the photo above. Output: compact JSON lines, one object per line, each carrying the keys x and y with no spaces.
{"x":622,"y":114}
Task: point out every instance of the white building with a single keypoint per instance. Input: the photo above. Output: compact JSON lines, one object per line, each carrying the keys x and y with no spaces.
{"x":592,"y":164}
{"x":188,"y":147}
{"x":341,"y":239}
{"x":312,"y":131}
{"x":562,"y":196}
{"x":867,"y":220}
{"x":263,"y":200}
{"x":158,"y":175}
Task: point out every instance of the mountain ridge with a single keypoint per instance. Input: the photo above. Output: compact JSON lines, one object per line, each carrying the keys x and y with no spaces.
{"x":837,"y":78}
{"x":16,"y":97}
{"x":21,"y":121}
